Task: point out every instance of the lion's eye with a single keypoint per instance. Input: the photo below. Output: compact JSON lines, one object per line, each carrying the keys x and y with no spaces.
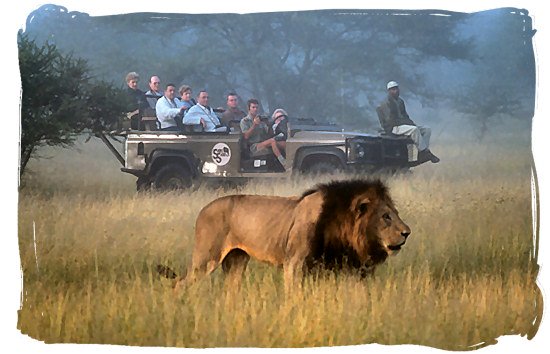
{"x":386,"y":216}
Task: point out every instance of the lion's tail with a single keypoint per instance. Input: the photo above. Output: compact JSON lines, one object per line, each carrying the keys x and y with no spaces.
{"x":166,"y":272}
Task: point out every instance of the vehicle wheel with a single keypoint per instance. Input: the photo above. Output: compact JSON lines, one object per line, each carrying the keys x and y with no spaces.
{"x":172,"y":177}
{"x":143,"y":184}
{"x":323,"y":168}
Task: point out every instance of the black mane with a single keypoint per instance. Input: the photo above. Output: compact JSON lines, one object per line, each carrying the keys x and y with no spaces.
{"x":337,"y":197}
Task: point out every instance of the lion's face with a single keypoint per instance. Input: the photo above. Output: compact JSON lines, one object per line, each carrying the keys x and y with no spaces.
{"x":391,"y":231}
{"x":378,"y":222}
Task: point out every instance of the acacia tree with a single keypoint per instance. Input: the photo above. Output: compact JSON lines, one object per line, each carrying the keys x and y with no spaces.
{"x":59,"y":99}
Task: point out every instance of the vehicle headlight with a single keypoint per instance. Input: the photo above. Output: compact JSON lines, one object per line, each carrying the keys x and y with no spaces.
{"x":359,"y":151}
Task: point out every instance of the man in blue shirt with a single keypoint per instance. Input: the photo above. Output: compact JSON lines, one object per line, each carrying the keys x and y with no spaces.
{"x":202,"y":113}
{"x":167,"y":110}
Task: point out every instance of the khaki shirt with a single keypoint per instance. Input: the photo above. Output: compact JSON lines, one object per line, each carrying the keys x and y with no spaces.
{"x":259,"y":134}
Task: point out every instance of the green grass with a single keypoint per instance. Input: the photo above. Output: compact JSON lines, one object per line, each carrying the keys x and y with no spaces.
{"x":465,"y":277}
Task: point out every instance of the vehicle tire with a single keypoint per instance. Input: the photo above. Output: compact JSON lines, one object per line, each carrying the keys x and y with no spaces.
{"x":143,"y":184}
{"x":323,"y":168}
{"x":172,"y":177}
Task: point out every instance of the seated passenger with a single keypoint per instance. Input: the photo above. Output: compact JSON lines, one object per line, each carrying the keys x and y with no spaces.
{"x":185,"y":99}
{"x":280,"y":124}
{"x":202,"y":114}
{"x":154,"y":92}
{"x":168,"y":113}
{"x":232,"y":113}
{"x":138,"y":101}
{"x":394,"y":119}
{"x":255,"y":132}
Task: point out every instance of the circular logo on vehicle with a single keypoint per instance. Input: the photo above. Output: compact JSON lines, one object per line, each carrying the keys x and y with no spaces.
{"x":221,"y":154}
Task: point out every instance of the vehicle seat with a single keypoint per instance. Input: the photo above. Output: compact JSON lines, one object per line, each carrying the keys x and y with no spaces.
{"x":245,"y":150}
{"x":149,"y":123}
{"x":234,"y":125}
{"x":192,"y":128}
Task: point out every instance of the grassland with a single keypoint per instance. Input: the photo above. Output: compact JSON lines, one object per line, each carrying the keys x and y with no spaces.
{"x":89,"y":246}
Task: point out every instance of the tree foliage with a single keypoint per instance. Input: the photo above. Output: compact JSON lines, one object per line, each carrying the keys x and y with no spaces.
{"x":501,"y":76}
{"x":60,"y":99}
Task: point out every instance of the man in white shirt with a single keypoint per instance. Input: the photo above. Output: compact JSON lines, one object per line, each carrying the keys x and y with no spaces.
{"x":167,"y":110}
{"x":202,"y":114}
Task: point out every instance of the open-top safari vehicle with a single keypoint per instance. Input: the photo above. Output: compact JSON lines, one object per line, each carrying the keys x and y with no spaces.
{"x":179,"y":159}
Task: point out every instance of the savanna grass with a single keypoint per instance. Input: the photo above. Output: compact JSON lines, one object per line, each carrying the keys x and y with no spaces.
{"x":466,"y":275}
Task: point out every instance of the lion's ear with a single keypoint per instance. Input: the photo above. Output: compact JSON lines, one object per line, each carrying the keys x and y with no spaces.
{"x":361,"y":205}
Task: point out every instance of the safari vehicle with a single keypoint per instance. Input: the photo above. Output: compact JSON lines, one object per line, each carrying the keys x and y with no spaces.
{"x":165,"y":160}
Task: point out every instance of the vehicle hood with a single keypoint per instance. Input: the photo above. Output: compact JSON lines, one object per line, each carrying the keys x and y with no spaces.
{"x":324,"y":135}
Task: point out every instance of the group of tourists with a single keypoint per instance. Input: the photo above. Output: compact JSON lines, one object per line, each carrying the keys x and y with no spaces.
{"x":174,"y":113}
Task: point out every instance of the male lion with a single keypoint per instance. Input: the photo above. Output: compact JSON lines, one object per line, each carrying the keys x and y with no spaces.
{"x":347,"y":222}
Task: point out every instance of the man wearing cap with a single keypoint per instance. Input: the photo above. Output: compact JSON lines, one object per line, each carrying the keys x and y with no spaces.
{"x":394,"y":119}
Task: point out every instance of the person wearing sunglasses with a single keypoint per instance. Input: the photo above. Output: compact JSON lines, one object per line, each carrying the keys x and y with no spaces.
{"x":154,"y":92}
{"x":256,"y":134}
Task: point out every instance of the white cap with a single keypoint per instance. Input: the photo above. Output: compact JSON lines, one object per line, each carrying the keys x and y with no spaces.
{"x":391,"y":84}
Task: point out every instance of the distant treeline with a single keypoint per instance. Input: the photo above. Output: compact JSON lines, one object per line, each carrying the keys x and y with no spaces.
{"x":331,"y":64}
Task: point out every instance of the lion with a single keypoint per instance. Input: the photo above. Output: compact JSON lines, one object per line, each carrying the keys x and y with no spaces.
{"x":352,"y":223}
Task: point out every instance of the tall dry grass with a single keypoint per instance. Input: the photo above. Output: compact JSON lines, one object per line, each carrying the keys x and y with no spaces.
{"x":89,"y":246}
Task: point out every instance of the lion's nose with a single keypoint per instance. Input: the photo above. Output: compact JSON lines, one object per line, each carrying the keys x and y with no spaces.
{"x":405,"y":234}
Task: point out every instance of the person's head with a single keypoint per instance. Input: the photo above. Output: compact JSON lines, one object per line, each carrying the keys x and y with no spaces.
{"x":154,"y":83}
{"x":279,"y":113}
{"x":132,"y":79}
{"x":393,"y":89}
{"x":185,"y":92}
{"x":202,"y":98}
{"x":253,"y":106}
{"x":170,"y":91}
{"x":232,"y":100}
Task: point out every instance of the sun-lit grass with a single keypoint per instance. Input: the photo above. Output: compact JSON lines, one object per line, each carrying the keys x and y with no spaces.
{"x":466,"y":275}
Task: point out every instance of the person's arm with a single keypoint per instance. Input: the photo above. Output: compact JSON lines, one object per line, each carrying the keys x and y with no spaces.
{"x":160,"y":110}
{"x":383,"y":112}
{"x":248,"y":128}
{"x":164,"y":112}
{"x":281,"y":132}
{"x":248,"y":132}
{"x":193,"y":116}
{"x":405,"y":114}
